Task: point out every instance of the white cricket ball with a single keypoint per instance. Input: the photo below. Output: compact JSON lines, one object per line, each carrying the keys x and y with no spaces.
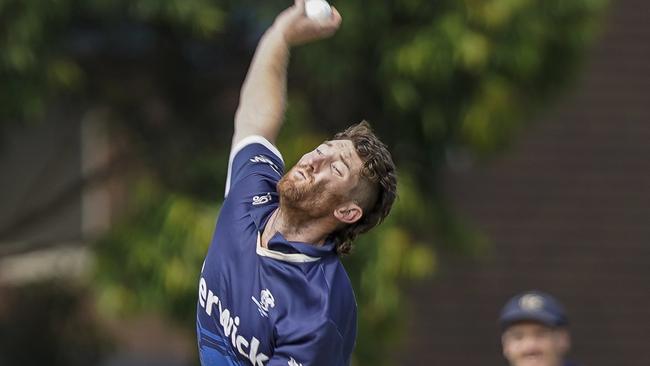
{"x":318,"y":9}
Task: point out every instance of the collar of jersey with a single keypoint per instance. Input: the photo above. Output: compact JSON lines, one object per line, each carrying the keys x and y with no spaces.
{"x":288,"y":251}
{"x":280,"y":248}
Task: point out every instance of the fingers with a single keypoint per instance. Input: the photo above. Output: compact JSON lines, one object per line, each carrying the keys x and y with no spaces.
{"x":298,"y":29}
{"x":300,"y":6}
{"x":336,"y":19}
{"x":332,"y":21}
{"x":329,"y":26}
{"x":298,"y":9}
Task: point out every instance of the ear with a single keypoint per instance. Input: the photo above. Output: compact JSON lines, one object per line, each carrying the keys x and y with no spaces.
{"x":564,"y":340}
{"x":348,"y":213}
{"x":505,"y":349}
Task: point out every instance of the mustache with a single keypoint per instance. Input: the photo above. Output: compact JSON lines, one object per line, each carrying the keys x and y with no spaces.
{"x":307,"y":171}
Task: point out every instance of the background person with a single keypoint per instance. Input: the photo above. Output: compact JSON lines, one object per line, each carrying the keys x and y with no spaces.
{"x":535,"y":331}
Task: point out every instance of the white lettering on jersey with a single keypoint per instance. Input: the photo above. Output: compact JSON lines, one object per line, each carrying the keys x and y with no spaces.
{"x":293,"y":362}
{"x":260,"y":200}
{"x":230,"y":324}
{"x":265,"y":160}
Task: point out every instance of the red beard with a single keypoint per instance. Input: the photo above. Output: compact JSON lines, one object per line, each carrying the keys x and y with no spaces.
{"x":304,"y":198}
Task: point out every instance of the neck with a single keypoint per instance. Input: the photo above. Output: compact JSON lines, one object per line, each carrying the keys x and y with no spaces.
{"x":295,"y":226}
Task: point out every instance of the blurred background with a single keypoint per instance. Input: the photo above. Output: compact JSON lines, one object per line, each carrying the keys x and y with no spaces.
{"x":519,"y":127}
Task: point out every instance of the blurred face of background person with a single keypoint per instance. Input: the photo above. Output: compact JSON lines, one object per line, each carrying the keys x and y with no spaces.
{"x":534,"y":330}
{"x":531,"y":343}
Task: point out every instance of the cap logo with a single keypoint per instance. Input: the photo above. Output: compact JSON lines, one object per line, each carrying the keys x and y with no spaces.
{"x":531,"y":302}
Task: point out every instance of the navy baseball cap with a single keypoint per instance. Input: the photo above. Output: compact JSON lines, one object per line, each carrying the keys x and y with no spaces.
{"x":534,"y":306}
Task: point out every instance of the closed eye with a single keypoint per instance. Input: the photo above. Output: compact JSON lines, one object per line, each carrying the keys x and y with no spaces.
{"x":318,"y":151}
{"x":338,"y":172}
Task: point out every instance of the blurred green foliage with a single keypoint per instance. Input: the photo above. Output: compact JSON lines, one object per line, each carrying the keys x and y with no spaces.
{"x":436,"y":79}
{"x":153,"y":264}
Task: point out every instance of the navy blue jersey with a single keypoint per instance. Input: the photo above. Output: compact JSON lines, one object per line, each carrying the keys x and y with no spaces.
{"x":290,"y":303}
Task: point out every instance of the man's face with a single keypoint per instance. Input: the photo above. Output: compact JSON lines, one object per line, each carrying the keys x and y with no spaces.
{"x":322,"y":179}
{"x":534,"y":344}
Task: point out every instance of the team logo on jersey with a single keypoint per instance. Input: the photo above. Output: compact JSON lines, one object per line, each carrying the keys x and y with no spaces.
{"x":531,"y":302}
{"x":265,"y":303}
{"x":265,"y":160}
{"x":260,"y":200}
{"x":293,"y":362}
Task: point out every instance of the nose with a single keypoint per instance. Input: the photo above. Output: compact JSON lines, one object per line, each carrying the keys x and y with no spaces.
{"x":530,"y":345}
{"x":315,"y":162}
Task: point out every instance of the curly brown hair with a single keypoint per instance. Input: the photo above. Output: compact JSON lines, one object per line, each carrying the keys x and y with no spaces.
{"x":377,"y":188}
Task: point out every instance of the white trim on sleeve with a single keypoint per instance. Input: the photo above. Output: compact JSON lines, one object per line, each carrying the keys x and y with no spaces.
{"x":253,"y":139}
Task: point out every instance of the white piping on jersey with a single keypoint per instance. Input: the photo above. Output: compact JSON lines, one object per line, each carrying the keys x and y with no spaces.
{"x":286,"y":257}
{"x":253,"y":139}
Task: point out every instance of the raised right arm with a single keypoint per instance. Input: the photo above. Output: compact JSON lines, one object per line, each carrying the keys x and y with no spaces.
{"x":263,"y":96}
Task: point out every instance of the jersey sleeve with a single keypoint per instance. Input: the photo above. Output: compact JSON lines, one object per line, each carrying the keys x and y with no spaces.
{"x":317,"y":346}
{"x":253,"y":155}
